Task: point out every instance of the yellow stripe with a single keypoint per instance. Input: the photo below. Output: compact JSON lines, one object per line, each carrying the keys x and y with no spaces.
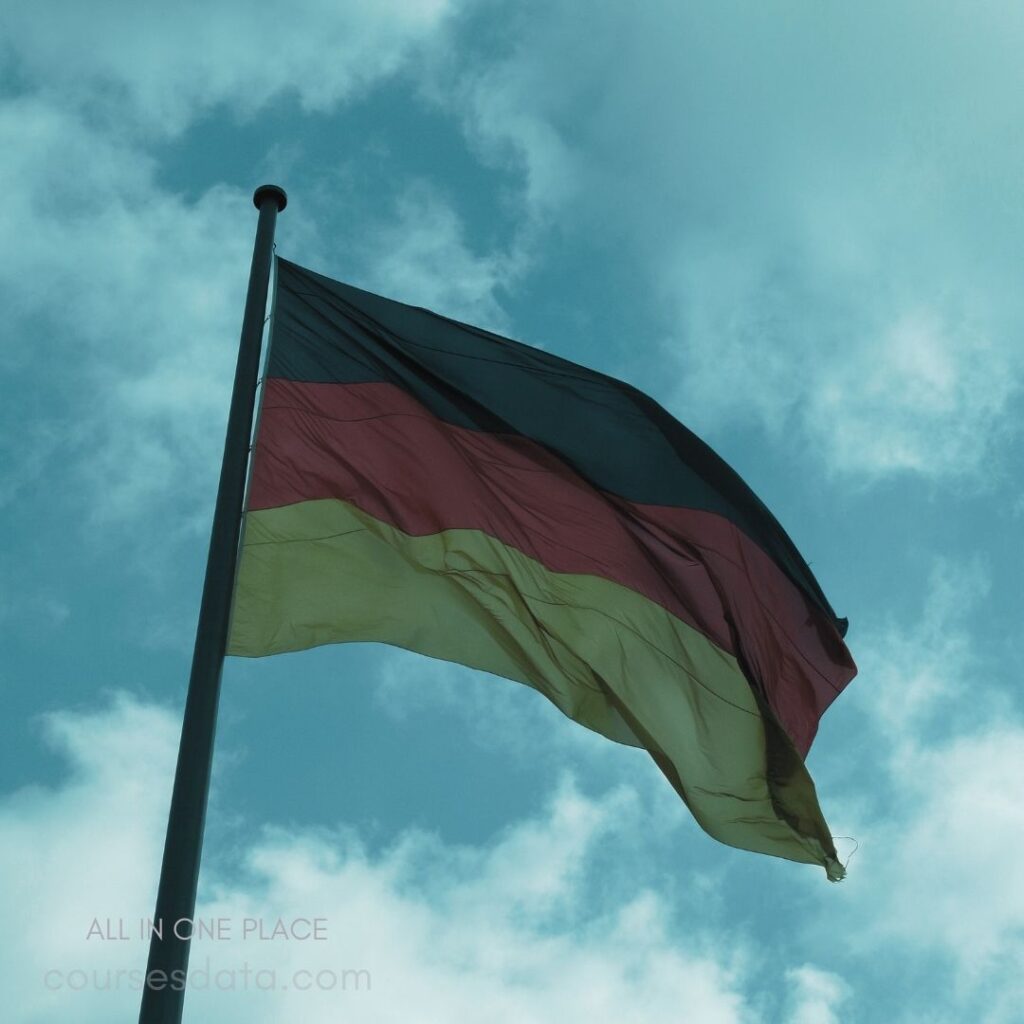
{"x":323,"y":572}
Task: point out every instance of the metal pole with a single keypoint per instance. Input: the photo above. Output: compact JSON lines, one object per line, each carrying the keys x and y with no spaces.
{"x":163,"y":994}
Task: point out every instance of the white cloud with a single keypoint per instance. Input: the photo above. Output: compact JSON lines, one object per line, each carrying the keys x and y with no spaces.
{"x":157,"y":68}
{"x":564,"y":915}
{"x":130,"y":295}
{"x":934,"y":801}
{"x":954,"y":881}
{"x":807,"y":198}
{"x":441,"y":930}
{"x":922,"y":394}
{"x":880,"y":388}
{"x":421,"y":256}
{"x":937,"y":892}
{"x":921,"y":680}
{"x":83,"y":848}
{"x":816,"y":995}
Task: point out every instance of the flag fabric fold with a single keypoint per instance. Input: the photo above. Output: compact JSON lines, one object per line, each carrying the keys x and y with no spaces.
{"x":428,"y":484}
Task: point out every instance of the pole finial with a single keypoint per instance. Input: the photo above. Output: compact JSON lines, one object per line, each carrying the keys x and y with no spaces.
{"x":274,"y":192}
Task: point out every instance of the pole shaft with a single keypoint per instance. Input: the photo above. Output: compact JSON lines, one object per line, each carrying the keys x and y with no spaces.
{"x":164,"y":991}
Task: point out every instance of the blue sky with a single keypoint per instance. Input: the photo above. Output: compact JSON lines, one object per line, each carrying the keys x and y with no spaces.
{"x":799,"y":226}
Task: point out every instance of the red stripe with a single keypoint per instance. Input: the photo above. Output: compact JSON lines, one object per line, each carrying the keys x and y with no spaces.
{"x":374,"y":445}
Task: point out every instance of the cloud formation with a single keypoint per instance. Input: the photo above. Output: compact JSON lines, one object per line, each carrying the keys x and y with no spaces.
{"x":156,"y":69}
{"x":420,"y":253}
{"x":130,"y":294}
{"x":933,"y":801}
{"x":805,"y":194}
{"x":512,"y":925}
{"x":563,"y":914}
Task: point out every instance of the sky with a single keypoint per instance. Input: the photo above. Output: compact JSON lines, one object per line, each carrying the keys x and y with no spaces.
{"x":799,"y":226}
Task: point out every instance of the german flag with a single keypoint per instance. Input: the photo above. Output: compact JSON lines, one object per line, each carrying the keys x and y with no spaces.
{"x":428,"y":484}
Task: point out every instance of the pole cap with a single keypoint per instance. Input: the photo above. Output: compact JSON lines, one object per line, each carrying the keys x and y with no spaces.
{"x":274,"y":192}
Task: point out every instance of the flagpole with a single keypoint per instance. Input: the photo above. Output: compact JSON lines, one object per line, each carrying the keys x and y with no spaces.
{"x":164,"y":991}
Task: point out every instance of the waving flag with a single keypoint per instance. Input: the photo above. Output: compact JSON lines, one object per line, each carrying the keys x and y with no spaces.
{"x":424,"y":483}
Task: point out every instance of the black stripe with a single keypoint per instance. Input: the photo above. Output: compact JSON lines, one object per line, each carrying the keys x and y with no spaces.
{"x":613,"y":435}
